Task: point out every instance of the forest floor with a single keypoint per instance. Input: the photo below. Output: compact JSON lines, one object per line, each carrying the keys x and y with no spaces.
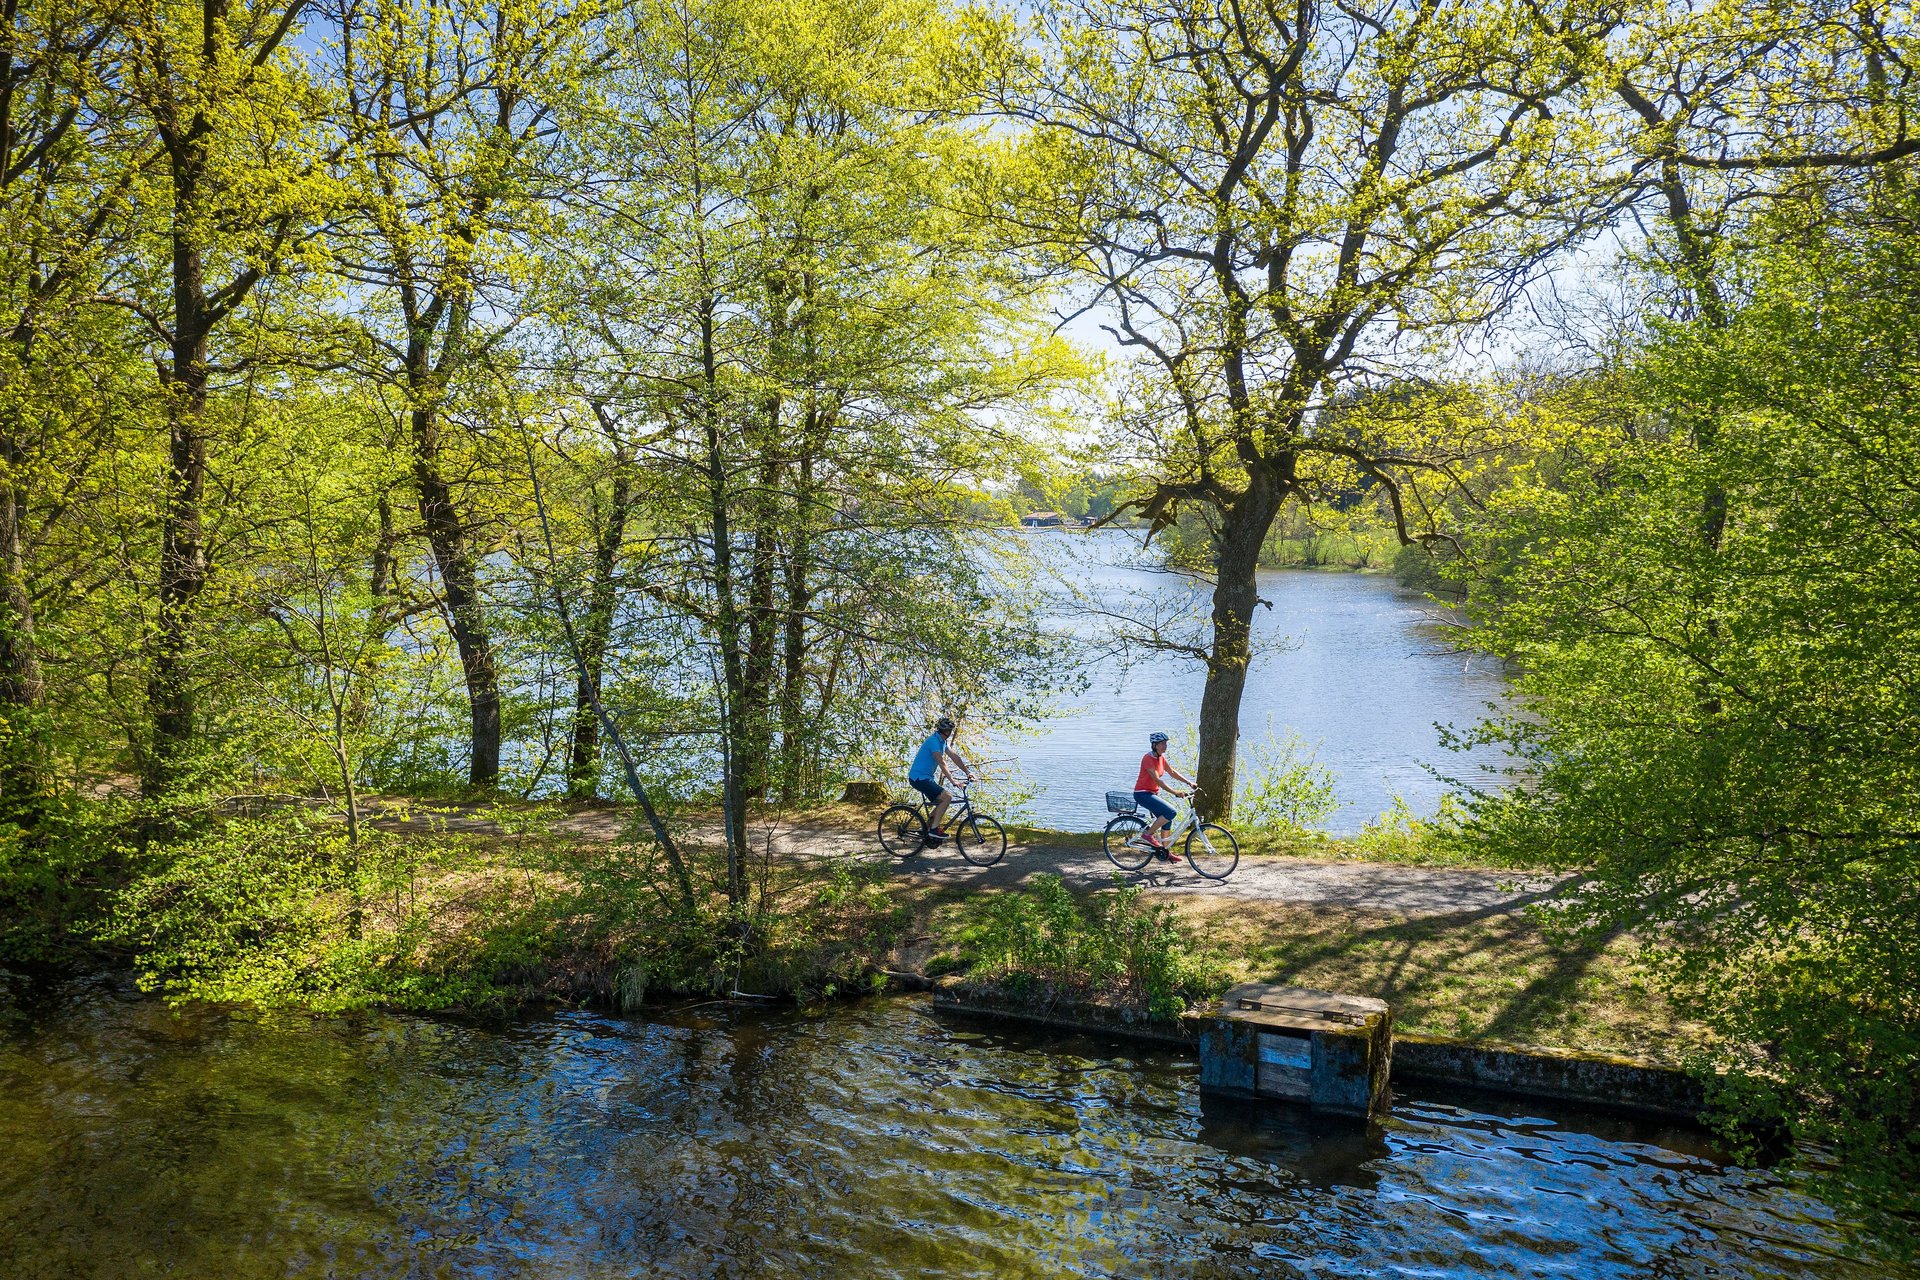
{"x":1456,"y":952}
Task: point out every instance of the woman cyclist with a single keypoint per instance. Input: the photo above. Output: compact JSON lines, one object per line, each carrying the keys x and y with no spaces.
{"x":1146,"y":793}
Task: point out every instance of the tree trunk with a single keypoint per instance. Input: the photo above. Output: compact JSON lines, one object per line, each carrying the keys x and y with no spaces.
{"x":1243,"y":527}
{"x":1697,"y":273}
{"x":459,"y":579}
{"x":758,"y":671}
{"x":583,"y":762}
{"x":729,"y":631}
{"x":23,"y":771}
{"x":794,"y":727}
{"x":183,"y":559}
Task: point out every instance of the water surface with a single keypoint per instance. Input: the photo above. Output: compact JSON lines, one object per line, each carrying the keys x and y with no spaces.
{"x":1354,"y":667}
{"x":871,"y":1140}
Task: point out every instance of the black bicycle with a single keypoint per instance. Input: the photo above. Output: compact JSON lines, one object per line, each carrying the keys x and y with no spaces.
{"x":980,"y":839}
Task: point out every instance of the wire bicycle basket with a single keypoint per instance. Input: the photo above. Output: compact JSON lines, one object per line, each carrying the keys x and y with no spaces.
{"x":1121,"y":802}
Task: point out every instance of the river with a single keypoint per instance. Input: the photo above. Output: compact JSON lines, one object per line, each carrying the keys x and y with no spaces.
{"x":1354,"y":667}
{"x":867,"y":1140}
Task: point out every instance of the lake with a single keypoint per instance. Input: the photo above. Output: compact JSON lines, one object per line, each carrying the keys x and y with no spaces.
{"x":1352,"y":665}
{"x":865,"y":1140}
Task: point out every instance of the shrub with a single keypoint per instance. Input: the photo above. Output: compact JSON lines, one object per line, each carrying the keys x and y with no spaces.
{"x":279,"y":909}
{"x":1283,"y":789}
{"x":57,"y":869}
{"x":1116,"y":948}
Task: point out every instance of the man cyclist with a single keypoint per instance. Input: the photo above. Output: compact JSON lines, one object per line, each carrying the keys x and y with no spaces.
{"x":931,"y":758}
{"x":1146,"y":793}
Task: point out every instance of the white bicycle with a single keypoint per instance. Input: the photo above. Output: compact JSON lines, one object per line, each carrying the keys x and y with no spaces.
{"x":1210,"y":849}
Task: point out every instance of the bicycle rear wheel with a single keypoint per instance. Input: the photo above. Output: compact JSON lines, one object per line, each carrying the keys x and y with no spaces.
{"x":981,"y":840}
{"x":1121,"y":842}
{"x":1212,"y":850}
{"x":901,"y":830}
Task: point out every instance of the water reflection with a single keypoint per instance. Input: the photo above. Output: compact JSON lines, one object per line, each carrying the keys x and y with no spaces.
{"x":1320,"y":1151}
{"x":868,"y":1141}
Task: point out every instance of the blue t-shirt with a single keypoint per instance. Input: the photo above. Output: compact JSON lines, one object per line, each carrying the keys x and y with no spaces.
{"x":926,"y":761}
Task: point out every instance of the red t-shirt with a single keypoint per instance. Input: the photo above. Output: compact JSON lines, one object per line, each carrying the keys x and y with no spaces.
{"x":1151,"y":767}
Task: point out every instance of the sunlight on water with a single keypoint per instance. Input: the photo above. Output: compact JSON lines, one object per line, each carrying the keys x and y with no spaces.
{"x":1349,"y":663}
{"x":873,"y":1140}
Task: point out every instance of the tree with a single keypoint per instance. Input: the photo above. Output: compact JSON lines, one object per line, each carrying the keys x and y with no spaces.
{"x":608,"y":521}
{"x":1703,"y":590}
{"x":329,"y":620}
{"x":454,"y":113}
{"x":798,"y":353}
{"x":245,"y":186}
{"x":1745,"y":792}
{"x":1272,"y":201}
{"x":66,"y":167}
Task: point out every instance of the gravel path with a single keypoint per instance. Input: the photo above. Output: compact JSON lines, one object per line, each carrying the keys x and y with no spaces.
{"x":1364,"y":886}
{"x":1360,"y":886}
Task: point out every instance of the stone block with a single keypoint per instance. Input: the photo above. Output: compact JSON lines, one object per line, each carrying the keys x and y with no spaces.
{"x":872,"y":794}
{"x":1330,"y":1051}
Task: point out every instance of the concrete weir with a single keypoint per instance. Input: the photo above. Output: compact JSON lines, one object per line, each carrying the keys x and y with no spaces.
{"x":1337,"y":1053}
{"x":1330,"y":1051}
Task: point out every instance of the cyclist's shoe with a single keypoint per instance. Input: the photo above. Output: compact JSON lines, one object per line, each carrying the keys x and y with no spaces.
{"x":1165,"y":854}
{"x":933,"y":838}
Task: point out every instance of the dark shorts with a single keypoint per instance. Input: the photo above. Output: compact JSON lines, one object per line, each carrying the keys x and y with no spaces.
{"x":1154,"y":805}
{"x":926,"y":787}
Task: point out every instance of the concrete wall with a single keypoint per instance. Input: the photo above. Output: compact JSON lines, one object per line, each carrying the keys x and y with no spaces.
{"x":1562,"y":1075}
{"x":1540,"y":1073}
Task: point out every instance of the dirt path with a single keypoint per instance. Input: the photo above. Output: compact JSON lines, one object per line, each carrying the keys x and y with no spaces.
{"x":1364,"y":886}
{"x":1357,"y":886}
{"x":1408,"y":891}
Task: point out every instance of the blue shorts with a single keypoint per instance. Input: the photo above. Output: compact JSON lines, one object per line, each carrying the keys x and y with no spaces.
{"x":926,"y":787}
{"x":1154,"y":805}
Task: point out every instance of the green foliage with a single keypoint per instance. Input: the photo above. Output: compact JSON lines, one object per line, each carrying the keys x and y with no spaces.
{"x":281,"y":909}
{"x":1717,"y":631}
{"x":57,"y":873}
{"x":234,"y":911}
{"x":1442,"y":840}
{"x":1283,"y":789}
{"x":1115,"y":948}
{"x":1423,"y":569}
{"x":1360,"y":539}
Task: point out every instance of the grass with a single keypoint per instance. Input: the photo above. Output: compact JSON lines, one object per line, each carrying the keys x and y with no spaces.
{"x":1497,"y":977}
{"x":1476,"y":975}
{"x":1385,"y":845}
{"x":1389,"y":845}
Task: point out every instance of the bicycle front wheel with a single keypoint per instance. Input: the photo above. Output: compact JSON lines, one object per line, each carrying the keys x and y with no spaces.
{"x":1122,"y":842}
{"x":980,"y":840}
{"x":1212,"y":850}
{"x":901,"y":830}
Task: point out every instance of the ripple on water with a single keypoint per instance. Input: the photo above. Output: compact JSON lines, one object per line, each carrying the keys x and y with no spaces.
{"x":869,"y":1141}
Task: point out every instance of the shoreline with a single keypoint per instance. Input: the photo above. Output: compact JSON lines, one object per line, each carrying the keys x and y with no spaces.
{"x":502,"y":906}
{"x":1607,"y":1082}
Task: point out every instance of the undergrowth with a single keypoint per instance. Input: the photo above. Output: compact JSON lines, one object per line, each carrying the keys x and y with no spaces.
{"x":1118,"y":948}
